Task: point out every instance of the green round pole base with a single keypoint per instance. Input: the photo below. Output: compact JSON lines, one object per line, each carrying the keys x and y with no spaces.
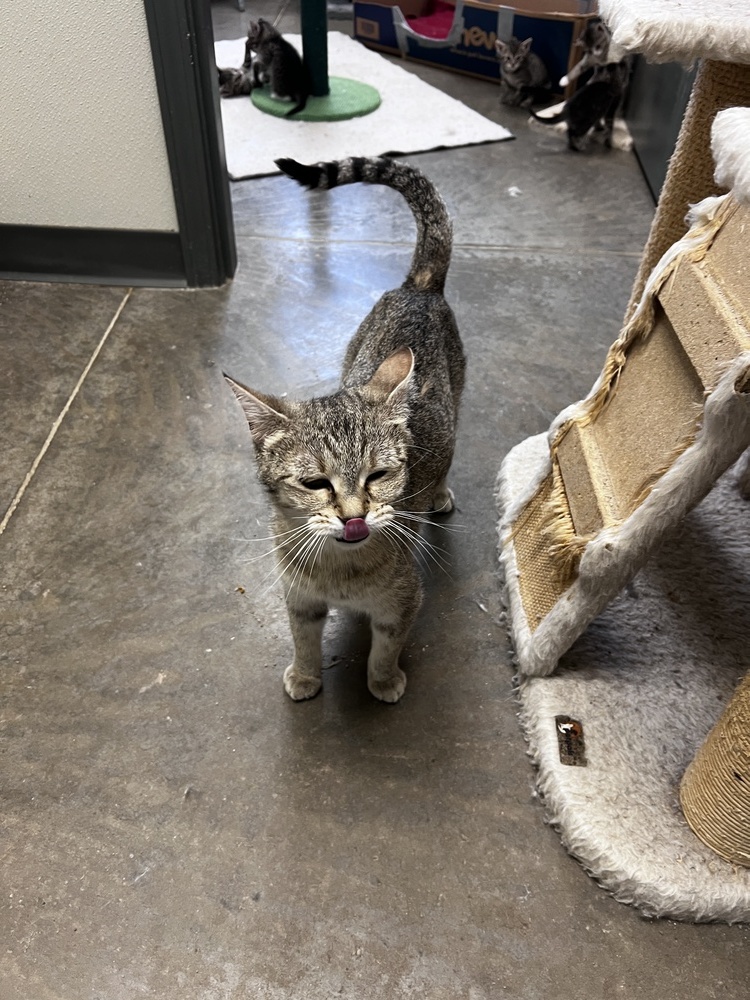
{"x":347,"y":99}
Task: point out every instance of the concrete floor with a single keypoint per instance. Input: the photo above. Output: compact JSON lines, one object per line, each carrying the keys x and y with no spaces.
{"x":173,"y":826}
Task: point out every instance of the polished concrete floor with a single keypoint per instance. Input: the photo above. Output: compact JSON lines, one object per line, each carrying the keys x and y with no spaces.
{"x":173,"y":826}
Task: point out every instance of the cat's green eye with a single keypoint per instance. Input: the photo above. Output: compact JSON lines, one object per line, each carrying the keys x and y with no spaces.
{"x":317,"y":484}
{"x":376,"y":475}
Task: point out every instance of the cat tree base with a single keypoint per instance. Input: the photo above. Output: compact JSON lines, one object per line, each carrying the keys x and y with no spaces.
{"x":345,"y":99}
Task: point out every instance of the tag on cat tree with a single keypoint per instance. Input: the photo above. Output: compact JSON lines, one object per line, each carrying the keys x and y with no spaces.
{"x":570,"y":741}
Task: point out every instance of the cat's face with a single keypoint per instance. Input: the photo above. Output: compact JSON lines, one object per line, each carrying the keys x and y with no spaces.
{"x":256,"y":33}
{"x":512,"y":54}
{"x":595,"y":40}
{"x":335,"y":466}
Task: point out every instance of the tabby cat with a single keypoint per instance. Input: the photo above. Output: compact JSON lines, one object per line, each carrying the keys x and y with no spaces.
{"x":271,"y":59}
{"x":598,"y":50}
{"x":593,"y":106}
{"x":351,"y":475}
{"x":234,"y":82}
{"x":523,"y":75}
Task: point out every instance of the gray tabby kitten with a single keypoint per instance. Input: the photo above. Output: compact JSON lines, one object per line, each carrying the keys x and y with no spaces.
{"x":598,"y":50}
{"x":351,"y":475}
{"x":523,"y":75}
{"x":272,"y":59}
{"x":234,"y":82}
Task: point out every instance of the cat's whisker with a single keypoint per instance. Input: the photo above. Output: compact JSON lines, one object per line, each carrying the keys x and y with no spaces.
{"x":414,"y":551}
{"x":275,"y":536}
{"x":284,"y":563}
{"x":296,"y":535}
{"x":429,"y":521}
{"x":309,"y":554}
{"x":317,"y":550}
{"x":419,"y":538}
{"x":401,"y":544}
{"x":427,"y":548}
{"x":410,"y":496}
{"x":264,"y":555}
{"x":437,"y":555}
{"x":282,"y":571}
{"x":420,"y":459}
{"x":417,"y":447}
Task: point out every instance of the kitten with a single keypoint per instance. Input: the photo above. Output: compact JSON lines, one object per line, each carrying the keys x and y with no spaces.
{"x":595,"y":42}
{"x":593,"y":106}
{"x":351,"y":476}
{"x":271,"y":59}
{"x":234,"y":82}
{"x":523,"y":75}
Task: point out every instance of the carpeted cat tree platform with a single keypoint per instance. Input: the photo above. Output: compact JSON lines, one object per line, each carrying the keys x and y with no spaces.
{"x":620,"y":475}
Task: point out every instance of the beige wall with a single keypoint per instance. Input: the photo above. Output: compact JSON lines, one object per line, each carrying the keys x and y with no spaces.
{"x":81,"y":138}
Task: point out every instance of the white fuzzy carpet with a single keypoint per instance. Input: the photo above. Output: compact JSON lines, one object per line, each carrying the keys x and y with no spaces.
{"x":665,"y":31}
{"x":648,"y":680}
{"x":412,"y":117}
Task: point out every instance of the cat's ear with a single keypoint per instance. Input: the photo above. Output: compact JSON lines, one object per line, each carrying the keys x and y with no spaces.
{"x":525,"y":45}
{"x":500,"y":47}
{"x":390,"y":383}
{"x":264,"y":413}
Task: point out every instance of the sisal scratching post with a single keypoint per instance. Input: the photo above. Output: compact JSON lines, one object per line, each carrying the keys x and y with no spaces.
{"x":715,"y":790}
{"x":689,"y":179}
{"x":718,"y":37}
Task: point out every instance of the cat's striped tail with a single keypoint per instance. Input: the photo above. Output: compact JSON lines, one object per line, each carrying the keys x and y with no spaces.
{"x":432,"y":254}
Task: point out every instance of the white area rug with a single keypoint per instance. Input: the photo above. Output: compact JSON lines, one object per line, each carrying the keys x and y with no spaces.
{"x":412,"y":117}
{"x":647,"y":681}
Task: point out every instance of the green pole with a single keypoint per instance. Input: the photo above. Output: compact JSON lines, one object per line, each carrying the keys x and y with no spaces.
{"x":314,"y":23}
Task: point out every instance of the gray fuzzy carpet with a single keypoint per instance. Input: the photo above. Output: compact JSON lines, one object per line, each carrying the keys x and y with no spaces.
{"x":648,"y":680}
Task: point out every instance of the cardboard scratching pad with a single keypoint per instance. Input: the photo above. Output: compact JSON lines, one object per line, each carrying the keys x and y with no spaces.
{"x":669,"y":413}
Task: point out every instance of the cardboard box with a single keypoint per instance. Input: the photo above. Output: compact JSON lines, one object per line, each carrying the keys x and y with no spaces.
{"x":555,"y":26}
{"x":409,"y":8}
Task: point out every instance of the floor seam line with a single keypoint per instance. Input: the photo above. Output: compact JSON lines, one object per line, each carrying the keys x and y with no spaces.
{"x":62,"y":415}
{"x":499,"y":247}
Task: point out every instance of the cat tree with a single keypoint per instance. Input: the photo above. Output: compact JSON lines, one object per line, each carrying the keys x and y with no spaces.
{"x":584,"y":506}
{"x":333,"y":98}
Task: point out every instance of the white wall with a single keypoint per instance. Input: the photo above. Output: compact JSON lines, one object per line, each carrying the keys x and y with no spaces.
{"x":81,"y":137}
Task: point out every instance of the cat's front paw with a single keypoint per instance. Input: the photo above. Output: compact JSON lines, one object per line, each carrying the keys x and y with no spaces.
{"x":298,"y":686}
{"x":389,"y":688}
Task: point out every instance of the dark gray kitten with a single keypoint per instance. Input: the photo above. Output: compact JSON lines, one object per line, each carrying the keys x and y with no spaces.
{"x":351,"y":476}
{"x":593,"y":106}
{"x":523,"y":75}
{"x":271,"y":59}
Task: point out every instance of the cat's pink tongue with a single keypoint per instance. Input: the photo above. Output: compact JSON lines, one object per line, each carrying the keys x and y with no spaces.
{"x":355,"y":529}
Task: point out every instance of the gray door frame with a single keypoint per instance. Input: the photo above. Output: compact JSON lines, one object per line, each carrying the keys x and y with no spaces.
{"x":181,"y":36}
